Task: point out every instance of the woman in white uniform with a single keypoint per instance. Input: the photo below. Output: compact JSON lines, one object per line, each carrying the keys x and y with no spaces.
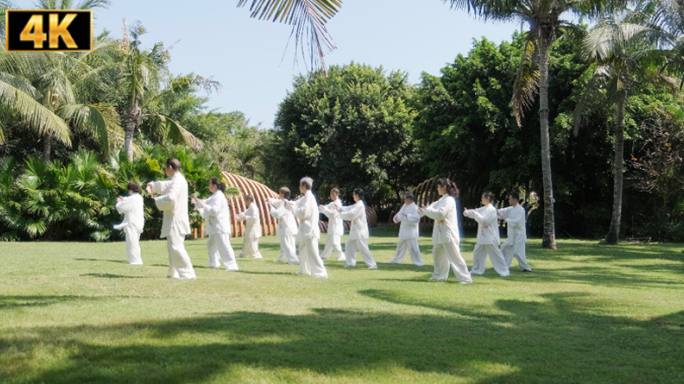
{"x":408,"y":232}
{"x":358,"y":233}
{"x":287,"y":227}
{"x":250,"y":243}
{"x":133,"y":209}
{"x":488,"y":240}
{"x":216,"y":214}
{"x":445,"y":236}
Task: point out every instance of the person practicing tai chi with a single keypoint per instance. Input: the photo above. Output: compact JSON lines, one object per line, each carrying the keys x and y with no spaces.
{"x":132,"y":207}
{"x":250,"y":242}
{"x":515,"y":242}
{"x":174,"y":204}
{"x":214,"y":210}
{"x":305,"y":209}
{"x":287,"y":227}
{"x":487,"y":237}
{"x":358,"y":233}
{"x":408,"y":232}
{"x":333,"y":242}
{"x":445,"y":235}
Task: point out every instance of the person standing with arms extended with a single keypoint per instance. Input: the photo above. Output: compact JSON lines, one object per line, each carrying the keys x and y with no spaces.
{"x":333,"y":242}
{"x":133,"y":209}
{"x":306,"y":210}
{"x":488,"y":240}
{"x":252,"y":219}
{"x":408,"y":232}
{"x":174,"y":204}
{"x":216,"y":213}
{"x":517,"y":236}
{"x":358,"y":233}
{"x":287,"y":227}
{"x":445,"y":236}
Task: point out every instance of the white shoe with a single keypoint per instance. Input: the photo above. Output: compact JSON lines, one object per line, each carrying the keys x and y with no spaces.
{"x":373,"y":267}
{"x":466,"y":282}
{"x":349,"y":266}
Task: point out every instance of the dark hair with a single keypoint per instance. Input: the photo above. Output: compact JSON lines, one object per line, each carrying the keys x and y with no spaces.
{"x":133,"y":186}
{"x":451,"y":187}
{"x":410,"y":196}
{"x":285,"y":191}
{"x":306,"y":182}
{"x":173,"y":163}
{"x":362,"y":195}
{"x":218,"y":183}
{"x":515,"y":195}
{"x":249,"y":198}
{"x":335,"y":191}
{"x":489,"y":196}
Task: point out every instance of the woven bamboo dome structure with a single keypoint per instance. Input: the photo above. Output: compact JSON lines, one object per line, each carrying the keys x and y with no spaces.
{"x":238,"y":205}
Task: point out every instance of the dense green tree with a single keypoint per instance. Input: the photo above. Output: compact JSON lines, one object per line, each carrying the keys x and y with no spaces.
{"x":350,"y":129}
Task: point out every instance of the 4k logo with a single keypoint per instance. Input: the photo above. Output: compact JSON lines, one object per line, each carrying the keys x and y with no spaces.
{"x":49,"y":31}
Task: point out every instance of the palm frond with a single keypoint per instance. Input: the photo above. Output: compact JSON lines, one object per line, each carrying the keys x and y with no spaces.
{"x":33,"y":113}
{"x":100,"y":119}
{"x":526,"y":82}
{"x":308,"y":19}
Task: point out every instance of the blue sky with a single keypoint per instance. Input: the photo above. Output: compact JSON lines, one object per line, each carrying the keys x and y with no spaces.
{"x":214,"y":38}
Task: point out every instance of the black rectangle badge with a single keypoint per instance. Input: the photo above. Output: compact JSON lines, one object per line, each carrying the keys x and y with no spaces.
{"x":39,"y":30}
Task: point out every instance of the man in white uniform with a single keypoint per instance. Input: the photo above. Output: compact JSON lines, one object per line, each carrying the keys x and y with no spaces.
{"x":333,"y":242}
{"x":515,"y":243}
{"x":287,"y":227}
{"x":174,"y":204}
{"x":306,"y":210}
{"x":409,"y":218}
{"x":133,"y":209}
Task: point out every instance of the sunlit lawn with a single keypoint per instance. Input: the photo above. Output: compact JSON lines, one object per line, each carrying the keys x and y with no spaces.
{"x":76,"y":312}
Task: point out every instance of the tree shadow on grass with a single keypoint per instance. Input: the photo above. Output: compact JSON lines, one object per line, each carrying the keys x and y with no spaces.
{"x":9,"y":302}
{"x":109,"y":261}
{"x":111,"y":276}
{"x":617,"y":252}
{"x":558,"y":339}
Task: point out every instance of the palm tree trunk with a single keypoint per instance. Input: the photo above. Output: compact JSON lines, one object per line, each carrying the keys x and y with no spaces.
{"x":133,"y":119}
{"x":47,"y":147}
{"x":549,"y":236}
{"x":614,"y":231}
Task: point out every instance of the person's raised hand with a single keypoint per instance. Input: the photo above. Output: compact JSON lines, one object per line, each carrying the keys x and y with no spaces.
{"x":119,"y":199}
{"x":149,"y":188}
{"x":193,"y":200}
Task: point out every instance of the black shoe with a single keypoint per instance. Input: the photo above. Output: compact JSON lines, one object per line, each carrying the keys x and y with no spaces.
{"x":526,"y":270}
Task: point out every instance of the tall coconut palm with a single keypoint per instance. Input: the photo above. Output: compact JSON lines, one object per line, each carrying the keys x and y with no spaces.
{"x":546,"y":22}
{"x":143,"y":72}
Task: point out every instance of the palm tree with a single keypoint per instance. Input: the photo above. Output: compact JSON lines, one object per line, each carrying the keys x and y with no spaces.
{"x":546,"y":24}
{"x":620,"y":48}
{"x":143,"y":72}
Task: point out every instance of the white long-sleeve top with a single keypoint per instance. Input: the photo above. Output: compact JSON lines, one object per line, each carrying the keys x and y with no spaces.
{"x":133,"y":209}
{"x":216,"y":213}
{"x":287,"y":225}
{"x":356,"y":214}
{"x":306,"y":210}
{"x":486,"y":217}
{"x":252,"y":221}
{"x":515,"y":220}
{"x":443,"y":212}
{"x":409,"y":218}
{"x":335,"y":222}
{"x":174,"y":204}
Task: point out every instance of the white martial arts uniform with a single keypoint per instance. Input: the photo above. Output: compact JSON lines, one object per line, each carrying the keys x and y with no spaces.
{"x":306,"y":210}
{"x":250,"y":242}
{"x":408,"y":235}
{"x":358,"y":235}
{"x":287,"y":230}
{"x":216,"y":214}
{"x":174,"y":204}
{"x":333,"y":242}
{"x":132,"y":207}
{"x":515,"y":242}
{"x":488,"y":241}
{"x":446,"y":240}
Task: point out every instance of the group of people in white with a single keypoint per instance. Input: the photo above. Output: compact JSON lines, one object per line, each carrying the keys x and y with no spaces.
{"x":172,"y":196}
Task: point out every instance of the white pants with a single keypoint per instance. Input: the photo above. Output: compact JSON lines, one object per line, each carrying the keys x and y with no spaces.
{"x":180,"y":266}
{"x":310,"y":262}
{"x":333,"y":244}
{"x":362,"y":246}
{"x":480,"y":259}
{"x":133,"y":246}
{"x":447,"y":255}
{"x":405,"y":246}
{"x":288,"y":251}
{"x":510,"y":249}
{"x":250,"y":248}
{"x":219,"y":247}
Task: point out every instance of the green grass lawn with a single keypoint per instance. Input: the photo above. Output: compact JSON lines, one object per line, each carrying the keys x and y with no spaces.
{"x":77,"y":312}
